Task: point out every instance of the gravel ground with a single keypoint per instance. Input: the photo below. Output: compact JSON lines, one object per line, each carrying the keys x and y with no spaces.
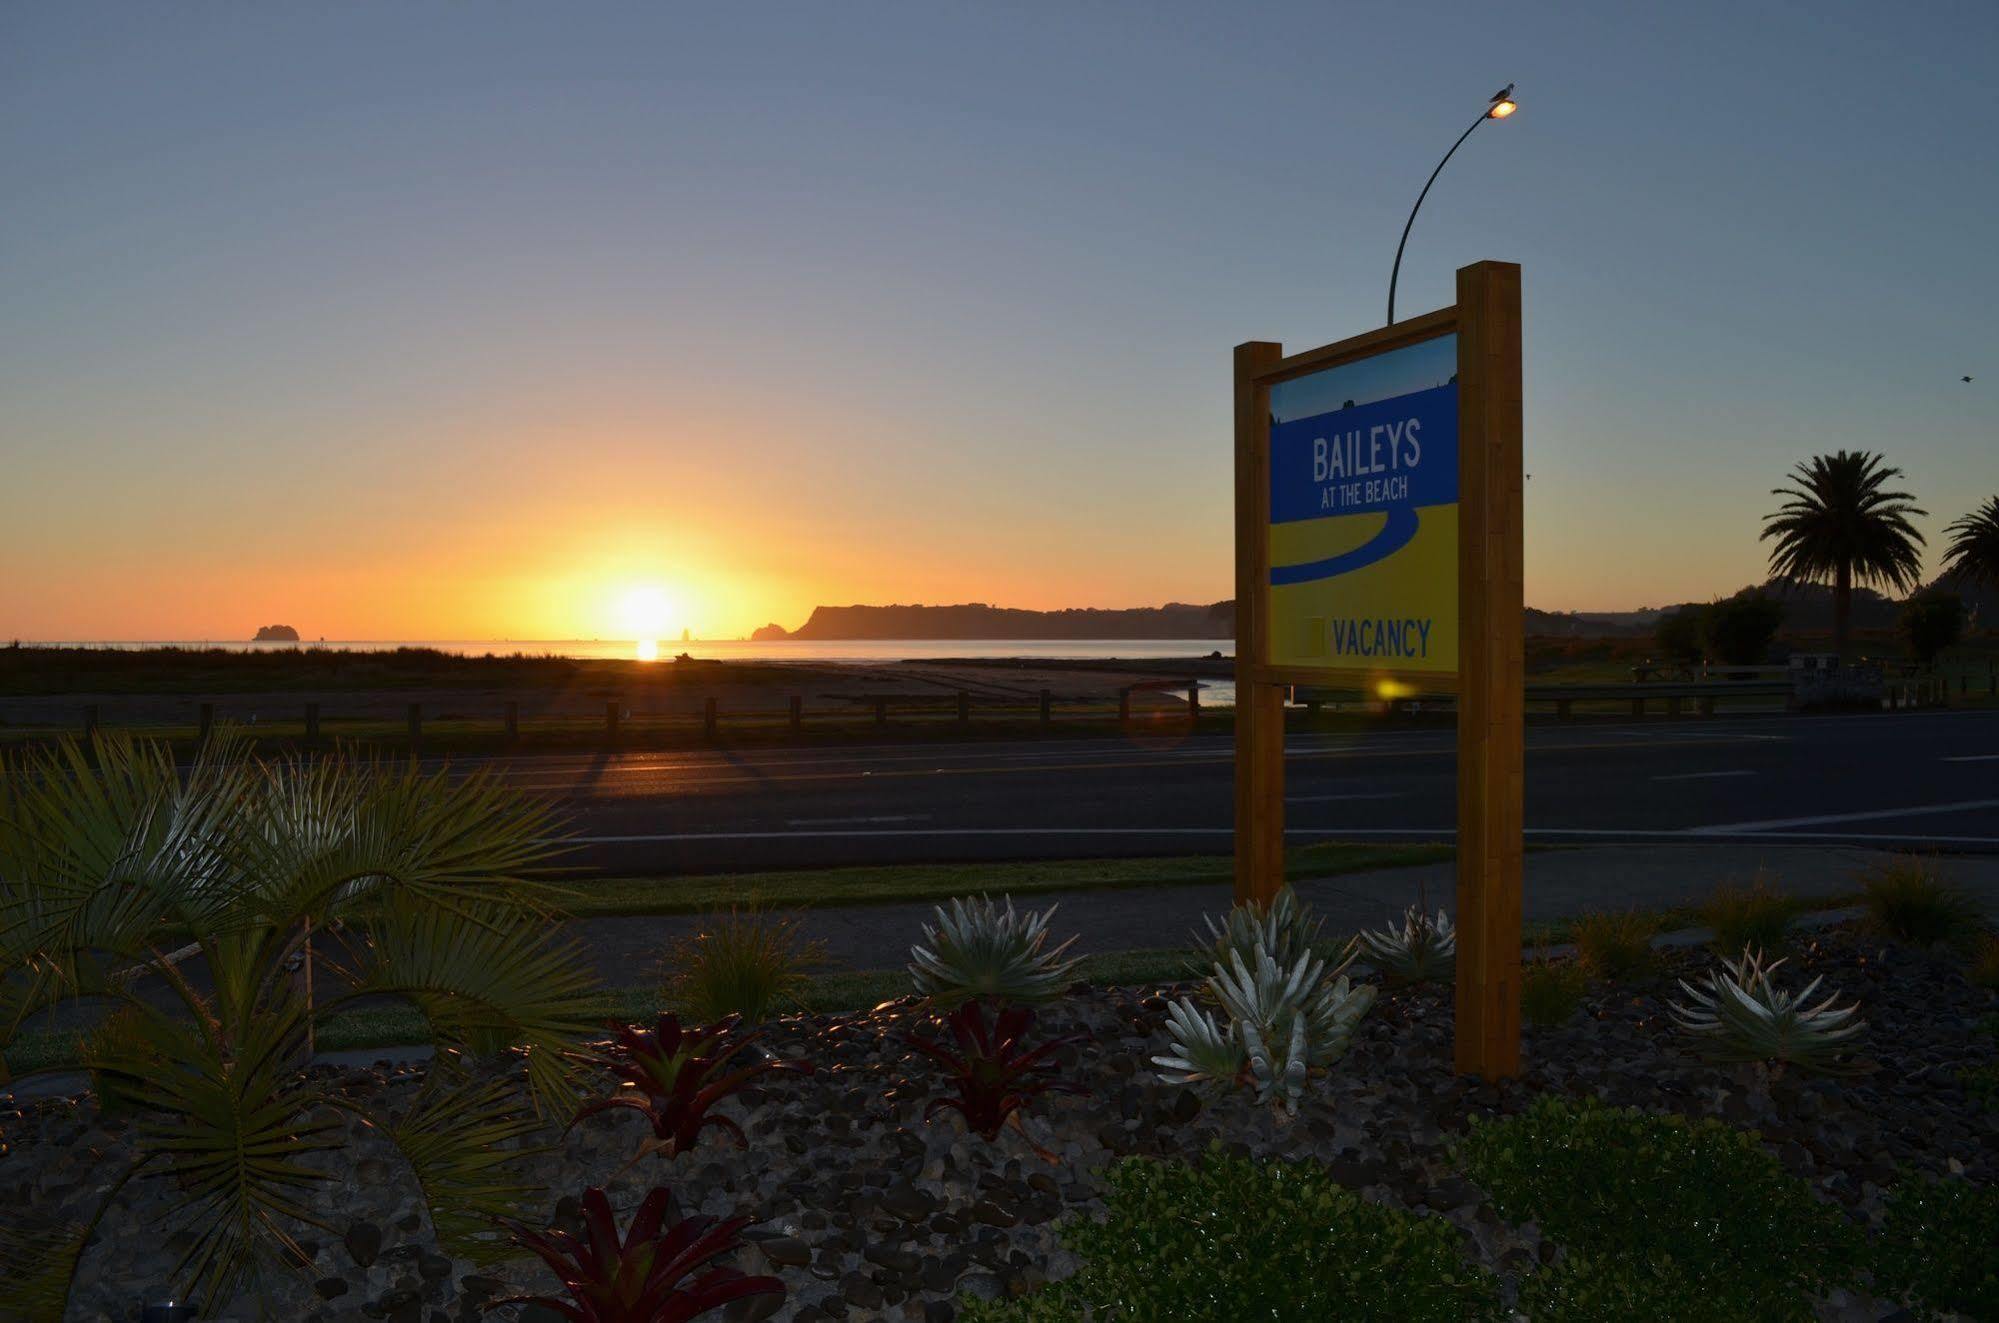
{"x":868,"y":1212}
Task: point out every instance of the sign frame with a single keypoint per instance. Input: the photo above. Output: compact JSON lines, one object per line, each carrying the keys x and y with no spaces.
{"x":1491,"y":672}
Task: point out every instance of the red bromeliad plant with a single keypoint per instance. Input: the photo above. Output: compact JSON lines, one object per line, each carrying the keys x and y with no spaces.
{"x":655,"y":1274}
{"x":679,"y":1075}
{"x":993,"y":1073}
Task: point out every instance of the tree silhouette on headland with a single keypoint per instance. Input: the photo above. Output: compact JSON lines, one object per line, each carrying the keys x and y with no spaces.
{"x":1838,"y":523}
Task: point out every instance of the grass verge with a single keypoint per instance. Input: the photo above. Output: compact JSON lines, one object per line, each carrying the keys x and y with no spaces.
{"x":815,"y":888}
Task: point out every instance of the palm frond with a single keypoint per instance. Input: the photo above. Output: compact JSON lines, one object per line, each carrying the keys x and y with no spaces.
{"x":484,"y":979}
{"x":1973,"y":554}
{"x":1838,"y":514}
{"x":229,"y":1114}
{"x":462,"y":1139}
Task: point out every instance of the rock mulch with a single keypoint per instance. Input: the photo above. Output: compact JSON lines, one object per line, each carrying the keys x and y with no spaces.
{"x":868,"y":1212}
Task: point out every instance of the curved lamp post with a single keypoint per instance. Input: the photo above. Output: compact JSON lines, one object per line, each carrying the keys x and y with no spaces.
{"x":1502,"y":106}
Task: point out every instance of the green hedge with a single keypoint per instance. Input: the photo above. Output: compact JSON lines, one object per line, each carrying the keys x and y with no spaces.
{"x":1939,"y":1247}
{"x":1688,"y":1219}
{"x":1232,"y":1239}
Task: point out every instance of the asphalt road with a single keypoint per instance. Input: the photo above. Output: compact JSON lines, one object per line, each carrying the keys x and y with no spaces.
{"x":1894,"y":780}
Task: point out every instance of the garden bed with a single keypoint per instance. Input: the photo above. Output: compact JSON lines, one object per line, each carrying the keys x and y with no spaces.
{"x":867,"y":1211}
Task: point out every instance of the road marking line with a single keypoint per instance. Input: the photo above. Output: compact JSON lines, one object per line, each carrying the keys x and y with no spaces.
{"x":855,"y":822}
{"x":1778,"y":824}
{"x":1701,"y":776}
{"x":1974,"y":758}
{"x":1339,"y":799}
{"x":1661,"y":836}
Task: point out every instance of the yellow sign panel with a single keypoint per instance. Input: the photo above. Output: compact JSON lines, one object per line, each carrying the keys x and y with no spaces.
{"x":1364,"y":514}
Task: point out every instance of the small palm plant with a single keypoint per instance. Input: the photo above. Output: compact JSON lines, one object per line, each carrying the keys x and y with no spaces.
{"x":201,"y":903}
{"x":979,"y":949}
{"x":1741,"y":1015}
{"x":1840,"y":524}
{"x":1973,"y":553}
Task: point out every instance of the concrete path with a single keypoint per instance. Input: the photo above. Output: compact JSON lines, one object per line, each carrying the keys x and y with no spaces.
{"x":1559,"y":884}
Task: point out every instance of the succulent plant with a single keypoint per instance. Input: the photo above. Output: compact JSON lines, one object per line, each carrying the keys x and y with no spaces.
{"x":981,"y":949}
{"x":1742,"y":1015}
{"x":1204,"y":1052}
{"x":677,"y":1075}
{"x":993,"y":1073}
{"x":657,"y":1272}
{"x":1284,"y":1022}
{"x":1285,"y":927}
{"x":1422,"y":948}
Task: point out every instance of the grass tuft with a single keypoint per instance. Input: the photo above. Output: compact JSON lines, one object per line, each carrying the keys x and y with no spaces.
{"x":1756,"y":915}
{"x":749,"y":961}
{"x":1615,"y":945}
{"x":1908,"y":901}
{"x":1551,"y":990}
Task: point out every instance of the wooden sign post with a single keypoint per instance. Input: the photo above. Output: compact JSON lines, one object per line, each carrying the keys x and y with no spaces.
{"x":1378,"y":547}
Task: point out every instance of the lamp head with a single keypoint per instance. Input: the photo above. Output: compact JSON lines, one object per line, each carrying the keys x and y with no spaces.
{"x":1503,"y":103}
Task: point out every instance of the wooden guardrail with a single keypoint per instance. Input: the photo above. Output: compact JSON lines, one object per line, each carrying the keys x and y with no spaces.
{"x":959,"y":709}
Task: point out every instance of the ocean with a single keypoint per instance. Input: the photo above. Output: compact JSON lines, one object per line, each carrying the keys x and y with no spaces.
{"x":797,"y":650}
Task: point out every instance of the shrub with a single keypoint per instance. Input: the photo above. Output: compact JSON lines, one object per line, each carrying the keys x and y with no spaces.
{"x":655,"y":1272}
{"x":1930,"y":623}
{"x":977,"y":949}
{"x":1550,"y":991}
{"x":1939,"y":1246}
{"x":1635,"y":1190}
{"x":678,"y":1075}
{"x":749,"y":962}
{"x":991,"y":1071}
{"x":1422,"y":948}
{"x":1742,"y":1015}
{"x":1908,"y":901}
{"x":1232,"y":1238}
{"x":1580,"y":1288}
{"x":1738,"y":630}
{"x":1281,"y":1025}
{"x":1678,"y":634}
{"x":1615,"y":945}
{"x":1985,"y":962}
{"x":1757,"y":915}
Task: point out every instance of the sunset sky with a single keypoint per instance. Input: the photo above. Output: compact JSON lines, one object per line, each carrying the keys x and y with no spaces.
{"x":458,"y":321}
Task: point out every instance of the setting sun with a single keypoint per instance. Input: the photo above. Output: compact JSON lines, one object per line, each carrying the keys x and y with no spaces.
{"x":646,"y":613}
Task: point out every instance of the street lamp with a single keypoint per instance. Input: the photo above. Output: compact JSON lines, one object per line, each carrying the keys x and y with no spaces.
{"x":1502,"y":105}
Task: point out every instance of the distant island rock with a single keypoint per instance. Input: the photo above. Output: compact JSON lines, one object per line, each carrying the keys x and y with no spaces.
{"x":977,"y":620}
{"x":276,"y":634}
{"x":769,"y":634}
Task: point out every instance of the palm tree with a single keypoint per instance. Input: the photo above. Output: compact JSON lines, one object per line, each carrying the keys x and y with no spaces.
{"x":192,"y":902}
{"x":1838,"y":524}
{"x":1973,"y":554}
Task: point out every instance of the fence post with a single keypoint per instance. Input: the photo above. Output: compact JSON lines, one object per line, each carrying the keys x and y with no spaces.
{"x":416,"y":727}
{"x":312,"y":721}
{"x":1124,"y":707}
{"x":513,"y":721}
{"x":611,"y":722}
{"x":1638,"y":707}
{"x":710,"y":721}
{"x":1047,"y":705}
{"x":207,"y":720}
{"x":797,"y":713}
{"x":89,"y":720}
{"x":964,"y":708}
{"x":1193,"y":700}
{"x":881,"y":712}
{"x":1673,"y":707}
{"x":1707,"y":706}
